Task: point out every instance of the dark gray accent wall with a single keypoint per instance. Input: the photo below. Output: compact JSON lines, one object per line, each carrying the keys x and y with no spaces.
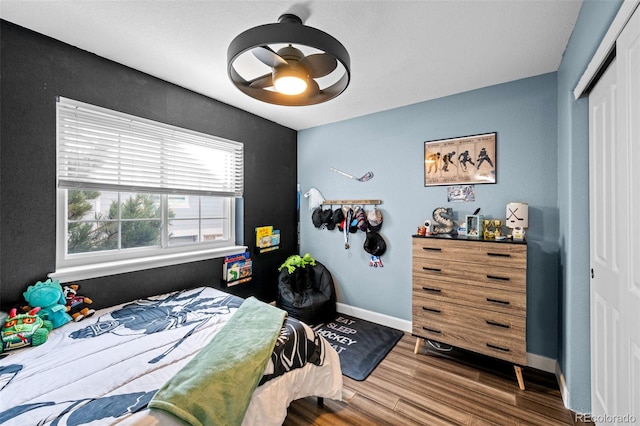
{"x":35,"y":69}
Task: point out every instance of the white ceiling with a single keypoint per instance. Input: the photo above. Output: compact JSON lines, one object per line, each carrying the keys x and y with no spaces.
{"x":402,"y":52}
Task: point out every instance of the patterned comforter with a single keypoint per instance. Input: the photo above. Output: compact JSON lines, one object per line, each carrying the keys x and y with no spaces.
{"x":106,"y":368}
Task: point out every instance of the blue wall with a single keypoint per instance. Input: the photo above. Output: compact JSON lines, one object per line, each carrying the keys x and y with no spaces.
{"x":573,"y":201}
{"x":543,"y":160}
{"x":391,"y":144}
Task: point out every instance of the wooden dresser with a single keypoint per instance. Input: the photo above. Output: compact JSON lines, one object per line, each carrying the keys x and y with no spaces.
{"x":472,"y":294}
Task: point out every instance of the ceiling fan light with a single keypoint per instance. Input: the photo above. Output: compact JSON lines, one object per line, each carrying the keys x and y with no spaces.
{"x":289,"y":81}
{"x":290,"y":85}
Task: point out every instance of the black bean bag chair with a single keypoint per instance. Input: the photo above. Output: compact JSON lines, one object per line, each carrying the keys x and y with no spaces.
{"x":307,"y":294}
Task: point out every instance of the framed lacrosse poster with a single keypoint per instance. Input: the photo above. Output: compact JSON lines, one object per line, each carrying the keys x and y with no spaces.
{"x":463,"y":160}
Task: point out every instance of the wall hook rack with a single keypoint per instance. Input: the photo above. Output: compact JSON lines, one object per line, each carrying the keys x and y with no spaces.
{"x":351,"y":202}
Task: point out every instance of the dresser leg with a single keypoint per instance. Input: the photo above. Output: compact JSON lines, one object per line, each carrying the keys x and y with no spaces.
{"x":519,"y":376}
{"x":419,"y":342}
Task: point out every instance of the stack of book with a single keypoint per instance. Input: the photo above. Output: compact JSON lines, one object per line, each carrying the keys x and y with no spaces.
{"x":267,"y":239}
{"x":237,"y":269}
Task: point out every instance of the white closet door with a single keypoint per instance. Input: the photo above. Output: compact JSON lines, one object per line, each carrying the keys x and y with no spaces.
{"x":614,"y":179}
{"x":628,"y":58}
{"x":605,"y":255}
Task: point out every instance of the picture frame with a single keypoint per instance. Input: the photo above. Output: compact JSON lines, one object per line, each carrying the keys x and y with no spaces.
{"x":474,"y":226}
{"x":462,"y":160}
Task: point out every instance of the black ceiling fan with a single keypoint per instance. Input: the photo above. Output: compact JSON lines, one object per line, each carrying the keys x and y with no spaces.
{"x":291,"y":76}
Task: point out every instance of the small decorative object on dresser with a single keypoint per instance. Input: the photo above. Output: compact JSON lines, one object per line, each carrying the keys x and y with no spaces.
{"x":473,"y":226}
{"x":443,"y":221}
{"x":492,"y":229}
{"x":472,"y":294}
{"x":517,"y":219}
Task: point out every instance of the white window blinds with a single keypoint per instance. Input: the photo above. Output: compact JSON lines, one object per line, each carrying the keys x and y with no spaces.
{"x":103,"y":149}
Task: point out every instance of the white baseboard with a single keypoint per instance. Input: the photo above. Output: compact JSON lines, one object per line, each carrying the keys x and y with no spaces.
{"x":562,"y":383}
{"x":382,"y":319}
{"x":534,"y":361}
{"x":543,"y":363}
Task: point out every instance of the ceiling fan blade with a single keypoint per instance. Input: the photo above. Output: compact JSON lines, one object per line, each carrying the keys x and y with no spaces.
{"x":268,"y":56}
{"x":261,"y":82}
{"x":319,"y":64}
{"x":313,"y":88}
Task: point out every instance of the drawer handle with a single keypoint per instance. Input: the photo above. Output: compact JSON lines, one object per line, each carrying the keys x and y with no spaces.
{"x":498,"y":348}
{"x":432,"y":330}
{"x":431,"y":249}
{"x":495,"y":277}
{"x":436,"y":311}
{"x":497,"y":324}
{"x":502,"y":302}
{"x":434,"y":290}
{"x":498,"y":254}
{"x":431,"y":269}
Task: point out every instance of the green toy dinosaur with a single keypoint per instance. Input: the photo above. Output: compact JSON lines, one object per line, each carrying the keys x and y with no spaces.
{"x":296,"y":261}
{"x":20,"y":330}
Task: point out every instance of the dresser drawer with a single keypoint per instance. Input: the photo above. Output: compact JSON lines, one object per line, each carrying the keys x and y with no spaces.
{"x":443,"y":315}
{"x":478,"y":252}
{"x":492,"y":276}
{"x":514,"y":351}
{"x":474,"y":295}
{"x":499,"y":335}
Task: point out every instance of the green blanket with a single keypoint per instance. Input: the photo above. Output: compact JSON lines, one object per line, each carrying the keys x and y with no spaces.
{"x":215,"y":387}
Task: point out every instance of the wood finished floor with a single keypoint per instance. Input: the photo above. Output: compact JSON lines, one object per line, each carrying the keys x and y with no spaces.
{"x":431,"y":388}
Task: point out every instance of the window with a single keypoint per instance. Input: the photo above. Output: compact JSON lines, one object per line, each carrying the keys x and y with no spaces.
{"x":136,"y":194}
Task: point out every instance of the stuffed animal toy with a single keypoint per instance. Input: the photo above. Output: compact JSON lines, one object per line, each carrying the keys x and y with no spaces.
{"x":20,"y":330}
{"x":49,"y":297}
{"x":77,"y":305}
{"x":296,"y":261}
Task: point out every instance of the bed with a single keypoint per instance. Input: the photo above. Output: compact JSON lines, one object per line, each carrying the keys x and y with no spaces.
{"x":112,"y":367}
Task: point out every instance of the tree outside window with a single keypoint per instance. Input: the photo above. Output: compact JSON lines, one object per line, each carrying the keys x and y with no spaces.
{"x":131,"y":220}
{"x":107,"y":220}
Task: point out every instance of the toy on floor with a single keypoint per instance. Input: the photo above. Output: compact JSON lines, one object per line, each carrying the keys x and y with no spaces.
{"x":20,"y":330}
{"x":76,"y":304}
{"x":49,"y":297}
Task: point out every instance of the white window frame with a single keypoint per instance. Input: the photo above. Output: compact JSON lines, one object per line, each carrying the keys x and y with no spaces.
{"x":78,"y":266}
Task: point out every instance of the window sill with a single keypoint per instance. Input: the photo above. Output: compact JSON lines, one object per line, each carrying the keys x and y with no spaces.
{"x":131,"y":265}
